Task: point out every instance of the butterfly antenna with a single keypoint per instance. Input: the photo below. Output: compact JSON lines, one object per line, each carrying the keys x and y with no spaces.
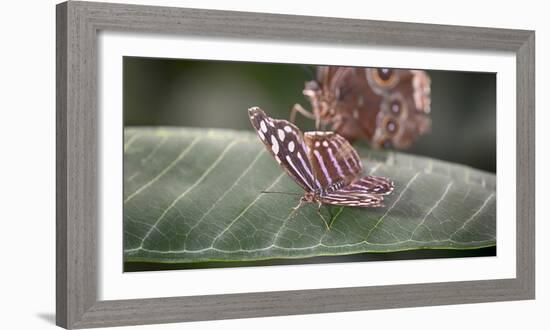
{"x":280,"y":192}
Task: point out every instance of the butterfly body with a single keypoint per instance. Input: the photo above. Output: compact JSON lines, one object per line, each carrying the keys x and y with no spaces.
{"x":388,"y":107}
{"x":324,"y":164}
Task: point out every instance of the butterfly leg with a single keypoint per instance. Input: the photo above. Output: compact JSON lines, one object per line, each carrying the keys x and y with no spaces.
{"x":297,"y":108}
{"x":295,"y":208}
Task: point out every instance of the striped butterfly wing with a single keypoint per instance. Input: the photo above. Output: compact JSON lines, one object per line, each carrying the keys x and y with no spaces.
{"x":334,"y":161}
{"x":368,"y":191}
{"x":341,"y":199}
{"x":285,"y":143}
{"x":338,"y":168}
{"x":369,"y":185}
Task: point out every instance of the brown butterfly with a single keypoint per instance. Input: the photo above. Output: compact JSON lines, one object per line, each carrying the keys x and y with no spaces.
{"x":324,"y":164}
{"x":388,"y":107}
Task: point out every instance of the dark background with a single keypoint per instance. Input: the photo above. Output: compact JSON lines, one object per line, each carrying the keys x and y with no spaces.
{"x":197,"y":93}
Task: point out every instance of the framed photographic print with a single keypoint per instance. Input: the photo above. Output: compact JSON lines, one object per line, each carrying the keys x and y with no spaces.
{"x":215,"y":165}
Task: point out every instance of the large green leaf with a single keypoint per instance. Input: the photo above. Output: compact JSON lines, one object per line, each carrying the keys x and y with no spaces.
{"x":194,"y":195}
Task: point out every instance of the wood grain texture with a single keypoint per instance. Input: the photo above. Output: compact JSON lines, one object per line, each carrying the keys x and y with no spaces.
{"x":296,"y":28}
{"x":61,"y":167}
{"x":525,"y":166}
{"x":77,"y":142}
{"x":197,"y":308}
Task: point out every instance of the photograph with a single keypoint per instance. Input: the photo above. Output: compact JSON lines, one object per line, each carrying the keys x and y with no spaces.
{"x":235,"y":164}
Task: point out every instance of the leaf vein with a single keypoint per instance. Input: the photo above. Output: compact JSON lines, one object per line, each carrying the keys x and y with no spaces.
{"x":201,"y":178}
{"x":392,"y":206}
{"x":246,"y":209}
{"x":164,"y":171}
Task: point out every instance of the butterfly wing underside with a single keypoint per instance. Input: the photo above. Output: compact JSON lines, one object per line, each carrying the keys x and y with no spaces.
{"x":320,"y":162}
{"x":285,"y":143}
{"x":334,"y":161}
{"x":337,"y":166}
{"x":368,"y":191}
{"x":354,"y":103}
{"x":388,"y":107}
{"x":404,"y":105}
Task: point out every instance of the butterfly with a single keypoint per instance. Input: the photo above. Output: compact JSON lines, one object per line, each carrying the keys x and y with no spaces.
{"x":387,"y":107}
{"x":324,"y":164}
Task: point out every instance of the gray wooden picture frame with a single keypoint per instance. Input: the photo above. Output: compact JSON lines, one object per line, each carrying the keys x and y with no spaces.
{"x":78,"y":24}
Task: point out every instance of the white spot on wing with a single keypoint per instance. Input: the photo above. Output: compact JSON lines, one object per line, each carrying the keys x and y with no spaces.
{"x":281,"y":134}
{"x":262,"y":126}
{"x":325,"y":144}
{"x":262,"y":136}
{"x":291,"y":146}
{"x":288,"y":129}
{"x":317,"y":144}
{"x":274,"y":145}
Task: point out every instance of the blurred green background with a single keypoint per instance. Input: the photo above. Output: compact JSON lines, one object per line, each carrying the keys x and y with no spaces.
{"x":199,"y":93}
